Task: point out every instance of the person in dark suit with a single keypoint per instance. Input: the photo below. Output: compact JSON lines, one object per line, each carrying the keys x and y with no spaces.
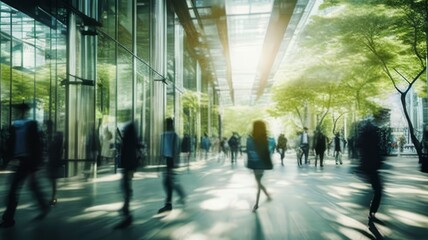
{"x":320,"y":145}
{"x":281,"y":147}
{"x":338,"y":148}
{"x":26,"y":147}
{"x":371,"y":158}
{"x":234,"y":146}
{"x":129,"y":164}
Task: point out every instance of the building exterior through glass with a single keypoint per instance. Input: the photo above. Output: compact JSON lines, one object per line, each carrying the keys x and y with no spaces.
{"x":88,"y":67}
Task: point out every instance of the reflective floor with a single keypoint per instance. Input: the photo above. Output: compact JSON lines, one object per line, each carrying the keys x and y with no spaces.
{"x":307,"y":203}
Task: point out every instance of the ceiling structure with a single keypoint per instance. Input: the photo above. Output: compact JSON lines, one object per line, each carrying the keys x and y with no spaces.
{"x":240,"y":44}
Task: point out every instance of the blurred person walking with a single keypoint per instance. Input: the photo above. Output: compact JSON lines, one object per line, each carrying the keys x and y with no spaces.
{"x":259,"y":150}
{"x":186,"y":148}
{"x":304,"y":145}
{"x":338,"y":148}
{"x":54,"y":166}
{"x":320,"y":145}
{"x":26,"y":147}
{"x":224,"y":148}
{"x":233,"y":143}
{"x":281,"y":147}
{"x":170,"y":143}
{"x":128,"y":163}
{"x":205,"y":145}
{"x":368,"y":143}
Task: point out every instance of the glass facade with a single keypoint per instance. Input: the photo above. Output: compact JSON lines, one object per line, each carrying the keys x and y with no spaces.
{"x":89,"y":67}
{"x":33,"y":66}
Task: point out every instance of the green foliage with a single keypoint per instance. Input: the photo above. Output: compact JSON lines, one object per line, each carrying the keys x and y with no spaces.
{"x":343,"y":57}
{"x":240,"y":118}
{"x":22,"y":83}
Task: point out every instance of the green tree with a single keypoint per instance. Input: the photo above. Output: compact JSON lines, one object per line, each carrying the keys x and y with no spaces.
{"x":393,"y":44}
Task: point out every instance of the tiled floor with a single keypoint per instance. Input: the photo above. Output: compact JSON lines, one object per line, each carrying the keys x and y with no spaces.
{"x":308,"y":203}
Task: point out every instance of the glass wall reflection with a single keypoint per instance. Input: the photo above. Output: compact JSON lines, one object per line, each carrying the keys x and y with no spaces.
{"x":32,"y":66}
{"x":135,"y":65}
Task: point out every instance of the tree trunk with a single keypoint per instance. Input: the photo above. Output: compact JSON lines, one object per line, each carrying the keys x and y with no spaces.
{"x":414,"y":139}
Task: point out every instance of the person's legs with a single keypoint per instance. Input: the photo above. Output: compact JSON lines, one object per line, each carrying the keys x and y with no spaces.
{"x":300,"y":153}
{"x":234,"y":155}
{"x":38,"y":194}
{"x":258,"y":175}
{"x":127,"y":194}
{"x":127,"y":191}
{"x":306,"y":152}
{"x":16,"y":182}
{"x":282,"y":153}
{"x":336,"y":156}
{"x":316,"y":158}
{"x":53,"y":200}
{"x":168,"y":186}
{"x":375,"y":181}
{"x":322,"y":159}
{"x":177,"y":187}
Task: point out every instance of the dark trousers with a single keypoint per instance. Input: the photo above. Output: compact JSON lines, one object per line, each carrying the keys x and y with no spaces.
{"x":281,"y":152}
{"x":375,"y":181}
{"x":170,"y":184}
{"x":305,"y":149}
{"x":17,"y":180}
{"x":234,"y":154}
{"x":321,"y":156}
{"x":127,"y":191}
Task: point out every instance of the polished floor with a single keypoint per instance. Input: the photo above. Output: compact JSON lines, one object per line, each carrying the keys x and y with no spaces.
{"x":308,"y":203}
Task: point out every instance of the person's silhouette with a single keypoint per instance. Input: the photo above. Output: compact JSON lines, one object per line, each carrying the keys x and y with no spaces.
{"x":26,"y":147}
{"x":259,"y":150}
{"x":170,"y":143}
{"x":54,"y":166}
{"x":128,"y":163}
{"x":371,"y":158}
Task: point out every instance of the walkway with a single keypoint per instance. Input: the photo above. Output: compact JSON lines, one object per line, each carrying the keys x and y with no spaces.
{"x":308,"y":203}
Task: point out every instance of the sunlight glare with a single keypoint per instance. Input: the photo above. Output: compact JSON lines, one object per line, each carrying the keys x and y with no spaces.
{"x":85,"y":216}
{"x":183,"y":231}
{"x":350,"y":233}
{"x":70,"y":199}
{"x":214,"y":204}
{"x":245,"y":59}
{"x":410,"y":218}
{"x":108,"y":178}
{"x":220,"y":228}
{"x":105,"y":207}
{"x":407,"y":190}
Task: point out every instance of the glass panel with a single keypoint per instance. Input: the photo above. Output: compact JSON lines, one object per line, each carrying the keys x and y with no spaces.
{"x":5,"y":68}
{"x":170,"y":101}
{"x":143,"y":29}
{"x":170,"y":41}
{"x":143,"y":102}
{"x":108,"y":18}
{"x":189,"y":74}
{"x":124,"y":88}
{"x":106,"y":97}
{"x":125,"y":23}
{"x":56,"y":61}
